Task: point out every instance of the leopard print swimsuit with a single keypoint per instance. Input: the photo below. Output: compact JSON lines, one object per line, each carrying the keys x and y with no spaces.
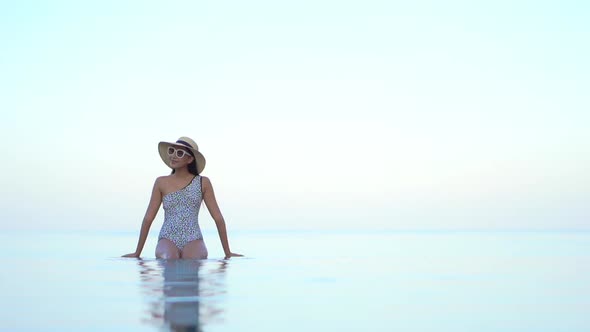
{"x":181,"y":219}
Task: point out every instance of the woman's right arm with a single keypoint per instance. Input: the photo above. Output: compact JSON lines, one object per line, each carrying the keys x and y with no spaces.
{"x":150,"y":215}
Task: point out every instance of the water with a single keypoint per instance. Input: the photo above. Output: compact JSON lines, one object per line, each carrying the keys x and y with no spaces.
{"x":300,"y":281}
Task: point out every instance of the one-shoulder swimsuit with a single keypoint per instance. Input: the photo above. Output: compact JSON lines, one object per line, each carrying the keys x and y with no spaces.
{"x":181,"y":214}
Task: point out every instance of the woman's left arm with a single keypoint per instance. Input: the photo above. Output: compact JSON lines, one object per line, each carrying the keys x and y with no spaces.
{"x":211,"y":202}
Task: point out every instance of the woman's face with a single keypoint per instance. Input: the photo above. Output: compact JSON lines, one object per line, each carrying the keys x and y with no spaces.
{"x":179,"y":157}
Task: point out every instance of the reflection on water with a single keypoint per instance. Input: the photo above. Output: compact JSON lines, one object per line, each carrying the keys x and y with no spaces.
{"x":182,"y":294}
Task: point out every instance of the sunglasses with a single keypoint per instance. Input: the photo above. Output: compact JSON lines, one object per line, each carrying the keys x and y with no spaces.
{"x":178,"y":152}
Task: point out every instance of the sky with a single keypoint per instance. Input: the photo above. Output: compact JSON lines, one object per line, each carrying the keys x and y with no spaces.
{"x":314,"y":115}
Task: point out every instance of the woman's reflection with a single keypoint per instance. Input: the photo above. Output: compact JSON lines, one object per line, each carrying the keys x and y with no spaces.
{"x":183,"y":294}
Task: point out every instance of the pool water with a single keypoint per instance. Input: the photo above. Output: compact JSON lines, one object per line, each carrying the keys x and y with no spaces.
{"x":300,"y":281}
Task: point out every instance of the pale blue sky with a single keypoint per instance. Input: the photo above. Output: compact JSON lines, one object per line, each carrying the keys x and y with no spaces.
{"x":312,"y":114}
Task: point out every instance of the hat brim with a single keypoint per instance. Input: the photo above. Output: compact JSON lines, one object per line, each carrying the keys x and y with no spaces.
{"x":163,"y":150}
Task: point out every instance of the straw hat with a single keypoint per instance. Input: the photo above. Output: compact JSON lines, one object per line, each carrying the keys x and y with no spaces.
{"x":184,"y":142}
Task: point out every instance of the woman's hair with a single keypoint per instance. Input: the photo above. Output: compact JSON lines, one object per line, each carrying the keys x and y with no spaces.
{"x":192,"y":167}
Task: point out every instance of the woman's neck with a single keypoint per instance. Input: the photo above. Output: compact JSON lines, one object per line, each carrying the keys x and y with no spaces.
{"x":181,"y":172}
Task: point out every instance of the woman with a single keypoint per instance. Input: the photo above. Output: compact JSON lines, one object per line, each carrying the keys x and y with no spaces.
{"x":182,"y":193}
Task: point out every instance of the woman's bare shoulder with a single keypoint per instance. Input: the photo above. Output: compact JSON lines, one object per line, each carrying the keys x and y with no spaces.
{"x":206,"y":182}
{"x":162,"y":179}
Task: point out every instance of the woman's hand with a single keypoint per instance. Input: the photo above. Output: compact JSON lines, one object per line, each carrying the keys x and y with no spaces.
{"x":232,"y":254}
{"x":132,"y":255}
